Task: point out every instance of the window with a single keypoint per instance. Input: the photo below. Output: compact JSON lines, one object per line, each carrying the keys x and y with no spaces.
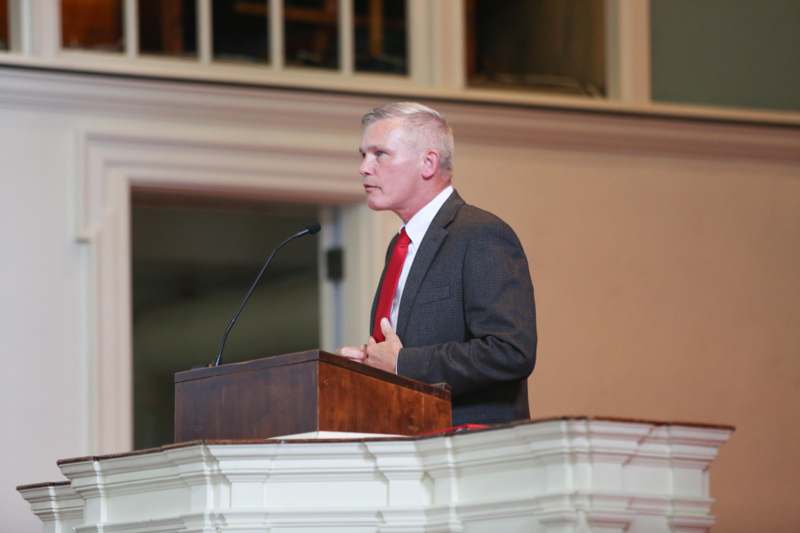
{"x":241,"y":31}
{"x":92,"y":25}
{"x":311,"y":33}
{"x":380,"y":36}
{"x":4,"y":37}
{"x":168,"y":27}
{"x":556,"y":46}
{"x":547,"y":45}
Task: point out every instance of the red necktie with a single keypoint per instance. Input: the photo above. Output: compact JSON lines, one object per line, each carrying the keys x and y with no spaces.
{"x":389,"y":285}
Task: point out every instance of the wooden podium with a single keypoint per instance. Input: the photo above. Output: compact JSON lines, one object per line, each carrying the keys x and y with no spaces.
{"x":300,"y":393}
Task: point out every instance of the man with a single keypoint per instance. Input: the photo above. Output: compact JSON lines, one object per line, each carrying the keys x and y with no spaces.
{"x":455,"y":301}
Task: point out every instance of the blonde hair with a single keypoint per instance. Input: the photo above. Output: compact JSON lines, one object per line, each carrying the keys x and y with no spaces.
{"x":423,"y":120}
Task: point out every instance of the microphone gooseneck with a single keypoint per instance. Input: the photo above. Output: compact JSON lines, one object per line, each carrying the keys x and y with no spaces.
{"x":308,"y":230}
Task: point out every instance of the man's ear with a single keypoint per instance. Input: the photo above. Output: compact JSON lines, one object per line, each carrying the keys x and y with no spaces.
{"x":430,"y":164}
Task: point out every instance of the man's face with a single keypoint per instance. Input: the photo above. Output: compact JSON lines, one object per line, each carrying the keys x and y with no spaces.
{"x":391,"y":167}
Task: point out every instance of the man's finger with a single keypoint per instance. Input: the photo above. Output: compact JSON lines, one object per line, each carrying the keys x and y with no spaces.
{"x":352,"y":353}
{"x":371,"y":341}
{"x":386,"y":328}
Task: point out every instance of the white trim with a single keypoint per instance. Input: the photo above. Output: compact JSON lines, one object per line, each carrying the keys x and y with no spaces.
{"x":276,"y":50}
{"x":328,"y":291}
{"x":130,"y":23}
{"x":205,"y":32}
{"x":628,"y":73}
{"x":419,"y":42}
{"x":374,"y":87}
{"x":43,"y":27}
{"x":346,"y":40}
{"x":506,"y":479}
{"x":19,"y":15}
{"x":281,"y":108}
{"x":448,"y":44}
{"x":628,"y":50}
{"x":115,"y":160}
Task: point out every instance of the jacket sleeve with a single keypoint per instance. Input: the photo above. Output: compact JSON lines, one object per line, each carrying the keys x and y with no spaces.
{"x":500,"y":319}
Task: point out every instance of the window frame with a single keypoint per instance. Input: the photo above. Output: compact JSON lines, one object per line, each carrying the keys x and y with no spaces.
{"x":436,"y":43}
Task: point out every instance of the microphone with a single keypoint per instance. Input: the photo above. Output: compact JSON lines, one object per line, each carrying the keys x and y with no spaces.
{"x":308,"y":230}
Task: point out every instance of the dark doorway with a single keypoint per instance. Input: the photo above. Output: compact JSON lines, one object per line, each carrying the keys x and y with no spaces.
{"x":193,"y":260}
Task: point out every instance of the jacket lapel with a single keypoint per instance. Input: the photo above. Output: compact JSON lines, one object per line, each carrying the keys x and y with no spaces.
{"x":434,"y":237}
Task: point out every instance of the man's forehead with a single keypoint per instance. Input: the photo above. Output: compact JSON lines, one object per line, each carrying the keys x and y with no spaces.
{"x":382,"y":131}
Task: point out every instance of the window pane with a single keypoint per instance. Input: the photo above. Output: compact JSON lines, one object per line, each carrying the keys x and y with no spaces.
{"x":546,"y":45}
{"x":168,"y":27}
{"x":312,"y":33}
{"x":4,"y":44}
{"x":380,"y":36}
{"x":725,"y":53}
{"x":92,"y":25}
{"x":241,"y":31}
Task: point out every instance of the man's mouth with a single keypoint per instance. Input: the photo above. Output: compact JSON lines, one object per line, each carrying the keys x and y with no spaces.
{"x":369,"y":188}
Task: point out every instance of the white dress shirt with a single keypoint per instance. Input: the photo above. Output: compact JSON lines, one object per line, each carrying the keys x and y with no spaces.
{"x":416,"y":229}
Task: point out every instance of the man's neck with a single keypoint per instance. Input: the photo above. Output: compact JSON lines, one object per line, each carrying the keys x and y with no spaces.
{"x":405,"y":216}
{"x":418,"y":224}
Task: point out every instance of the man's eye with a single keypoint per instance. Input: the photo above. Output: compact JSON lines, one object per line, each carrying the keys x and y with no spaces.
{"x":379,"y":153}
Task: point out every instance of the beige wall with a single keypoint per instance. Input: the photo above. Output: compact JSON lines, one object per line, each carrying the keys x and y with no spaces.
{"x":667,"y":287}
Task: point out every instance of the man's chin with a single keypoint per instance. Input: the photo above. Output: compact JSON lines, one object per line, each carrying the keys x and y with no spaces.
{"x":375,"y":204}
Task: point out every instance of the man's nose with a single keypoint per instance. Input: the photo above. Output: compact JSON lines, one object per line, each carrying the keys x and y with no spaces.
{"x":364,"y":169}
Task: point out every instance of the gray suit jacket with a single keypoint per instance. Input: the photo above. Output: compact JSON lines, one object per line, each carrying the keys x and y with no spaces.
{"x":467,"y":315}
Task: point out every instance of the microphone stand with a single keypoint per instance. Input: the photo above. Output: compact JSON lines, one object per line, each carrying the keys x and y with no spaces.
{"x":308,"y":230}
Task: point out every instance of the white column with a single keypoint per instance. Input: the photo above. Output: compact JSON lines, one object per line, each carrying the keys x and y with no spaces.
{"x":276,"y":34}
{"x":346,"y":50}
{"x":41,"y":21}
{"x":19,"y":17}
{"x":419,"y":39}
{"x":131,"y":25}
{"x":205,"y":30}
{"x":436,"y":43}
{"x":628,"y":50}
{"x":447,"y":51}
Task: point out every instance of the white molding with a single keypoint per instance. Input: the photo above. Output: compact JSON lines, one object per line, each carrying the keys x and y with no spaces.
{"x":370,"y":85}
{"x":114,"y":159}
{"x":634,"y":135}
{"x":398,"y":484}
{"x":436,"y":57}
{"x":56,"y":506}
{"x":524,"y":128}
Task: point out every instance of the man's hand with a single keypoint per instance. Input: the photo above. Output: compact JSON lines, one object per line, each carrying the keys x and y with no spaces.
{"x":381,"y":355}
{"x":384,"y":354}
{"x":356,"y":353}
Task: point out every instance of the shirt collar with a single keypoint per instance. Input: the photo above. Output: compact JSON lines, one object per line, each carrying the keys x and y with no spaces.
{"x":419,"y":223}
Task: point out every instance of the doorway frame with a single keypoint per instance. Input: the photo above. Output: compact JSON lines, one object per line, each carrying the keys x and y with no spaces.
{"x":276,"y":166}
